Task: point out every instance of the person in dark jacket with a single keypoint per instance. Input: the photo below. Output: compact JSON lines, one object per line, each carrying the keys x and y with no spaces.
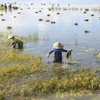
{"x":57,"y":49}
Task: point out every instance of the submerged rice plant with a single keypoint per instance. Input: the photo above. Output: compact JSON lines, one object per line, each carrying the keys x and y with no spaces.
{"x":2,"y":8}
{"x":24,"y":75}
{"x":33,"y":37}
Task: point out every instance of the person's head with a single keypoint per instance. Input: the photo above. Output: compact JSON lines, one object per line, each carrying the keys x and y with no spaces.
{"x":57,"y":45}
{"x":11,"y":36}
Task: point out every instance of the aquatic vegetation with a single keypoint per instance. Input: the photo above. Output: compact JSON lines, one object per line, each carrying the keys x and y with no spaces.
{"x":45,"y":37}
{"x":48,"y":14}
{"x":36,"y":12}
{"x":68,"y":54}
{"x":2,"y":8}
{"x":86,"y":20}
{"x":1,"y":35}
{"x":47,"y":20}
{"x":40,"y":19}
{"x":58,"y":13}
{"x":86,"y":9}
{"x":3,"y":19}
{"x":9,"y":27}
{"x":14,"y":16}
{"x":71,"y":61}
{"x":76,"y":24}
{"x":53,"y":22}
{"x":15,"y":7}
{"x":84,"y":12}
{"x":83,"y":81}
{"x":92,"y":14}
{"x":87,"y":49}
{"x":97,"y":54}
{"x":33,"y":37}
{"x":24,"y":75}
{"x":86,"y":31}
{"x":18,"y":13}
{"x":1,"y":14}
{"x":1,"y":97}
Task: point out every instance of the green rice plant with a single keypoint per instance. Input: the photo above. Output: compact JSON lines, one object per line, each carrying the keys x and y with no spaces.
{"x":33,"y":37}
{"x":28,"y":76}
{"x":9,"y":27}
{"x":2,"y":97}
{"x":14,"y":56}
{"x":84,"y":81}
{"x":1,"y":35}
{"x":86,"y":9}
{"x":45,"y":37}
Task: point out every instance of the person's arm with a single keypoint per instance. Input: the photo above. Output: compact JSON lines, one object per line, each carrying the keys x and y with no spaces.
{"x":63,"y":50}
{"x":13,"y":45}
{"x":50,"y":53}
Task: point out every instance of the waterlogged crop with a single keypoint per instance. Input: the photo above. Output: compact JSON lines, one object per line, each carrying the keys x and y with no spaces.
{"x":24,"y":76}
{"x":2,"y":8}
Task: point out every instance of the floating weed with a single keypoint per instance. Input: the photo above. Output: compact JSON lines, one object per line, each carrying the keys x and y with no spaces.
{"x":92,"y":14}
{"x":1,"y":14}
{"x":86,"y":31}
{"x":40,"y":19}
{"x":3,"y":19}
{"x":9,"y":27}
{"x":97,"y":54}
{"x":87,"y":49}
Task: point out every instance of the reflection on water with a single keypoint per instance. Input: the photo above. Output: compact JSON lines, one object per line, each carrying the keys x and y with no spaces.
{"x":75,"y":26}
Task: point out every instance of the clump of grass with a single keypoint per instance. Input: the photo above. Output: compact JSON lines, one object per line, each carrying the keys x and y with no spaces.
{"x":9,"y":27}
{"x":85,"y":81}
{"x":2,"y":8}
{"x":2,"y":97}
{"x":15,"y":7}
{"x":33,"y":37}
{"x":92,"y":14}
{"x":1,"y":14}
{"x":1,"y":35}
{"x":86,"y":31}
{"x":40,"y":19}
{"x":28,"y":76}
{"x":45,"y":37}
{"x":53,"y":22}
{"x":3,"y":19}
{"x":76,"y":24}
{"x":86,"y":9}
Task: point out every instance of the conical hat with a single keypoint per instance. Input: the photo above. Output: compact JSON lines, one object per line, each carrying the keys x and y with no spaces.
{"x":58,"y":45}
{"x":11,"y":36}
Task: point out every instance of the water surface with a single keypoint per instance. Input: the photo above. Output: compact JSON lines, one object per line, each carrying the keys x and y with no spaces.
{"x":25,"y":21}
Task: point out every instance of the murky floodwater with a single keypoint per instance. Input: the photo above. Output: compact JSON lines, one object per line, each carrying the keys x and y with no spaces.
{"x":83,"y":38}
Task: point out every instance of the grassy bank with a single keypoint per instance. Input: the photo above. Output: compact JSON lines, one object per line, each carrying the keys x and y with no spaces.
{"x":23,"y":75}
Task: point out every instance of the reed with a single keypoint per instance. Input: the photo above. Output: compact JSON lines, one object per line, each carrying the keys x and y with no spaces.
{"x":33,"y":37}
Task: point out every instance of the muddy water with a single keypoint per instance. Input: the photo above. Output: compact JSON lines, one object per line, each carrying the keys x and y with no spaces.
{"x":74,"y":27}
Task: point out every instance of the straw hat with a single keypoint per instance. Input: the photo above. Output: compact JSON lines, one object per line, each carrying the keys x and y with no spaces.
{"x":58,"y":45}
{"x":11,"y":36}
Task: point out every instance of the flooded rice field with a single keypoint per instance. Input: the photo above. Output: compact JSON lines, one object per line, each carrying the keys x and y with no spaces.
{"x":76,"y":27}
{"x":39,"y":25}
